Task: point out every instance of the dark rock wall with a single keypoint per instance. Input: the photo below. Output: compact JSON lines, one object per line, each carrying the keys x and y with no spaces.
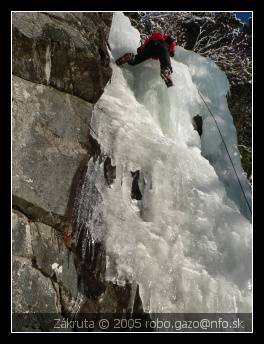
{"x":60,"y":68}
{"x":64,"y":50}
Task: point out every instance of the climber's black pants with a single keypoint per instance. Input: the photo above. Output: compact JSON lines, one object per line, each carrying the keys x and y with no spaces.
{"x":154,"y":49}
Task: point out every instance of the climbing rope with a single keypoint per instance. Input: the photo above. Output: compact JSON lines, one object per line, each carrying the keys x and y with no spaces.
{"x":239,"y":182}
{"x":242,"y":189}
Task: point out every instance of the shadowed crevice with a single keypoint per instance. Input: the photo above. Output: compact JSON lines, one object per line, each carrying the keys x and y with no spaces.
{"x":135,"y":190}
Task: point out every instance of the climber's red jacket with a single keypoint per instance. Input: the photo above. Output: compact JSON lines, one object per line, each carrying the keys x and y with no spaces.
{"x":157,"y":36}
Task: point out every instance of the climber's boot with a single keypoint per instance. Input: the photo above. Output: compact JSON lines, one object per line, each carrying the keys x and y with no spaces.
{"x":165,"y":74}
{"x":125,"y":59}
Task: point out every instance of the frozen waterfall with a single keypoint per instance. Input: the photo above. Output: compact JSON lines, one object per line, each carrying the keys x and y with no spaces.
{"x":186,"y":240}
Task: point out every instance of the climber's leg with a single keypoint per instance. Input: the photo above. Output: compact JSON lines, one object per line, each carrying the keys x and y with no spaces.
{"x":140,"y":57}
{"x":165,"y":64}
{"x":125,"y":59}
{"x":133,"y":59}
{"x":164,"y":58}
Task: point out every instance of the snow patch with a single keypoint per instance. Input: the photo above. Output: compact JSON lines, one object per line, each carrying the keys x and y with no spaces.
{"x":57,"y":268}
{"x":48,"y":64}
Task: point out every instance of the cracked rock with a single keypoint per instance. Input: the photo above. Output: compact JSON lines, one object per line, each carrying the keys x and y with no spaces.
{"x":47,"y":145}
{"x":41,"y":267}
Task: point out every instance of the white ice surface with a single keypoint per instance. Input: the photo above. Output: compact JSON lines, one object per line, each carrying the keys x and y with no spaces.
{"x":187,"y":243}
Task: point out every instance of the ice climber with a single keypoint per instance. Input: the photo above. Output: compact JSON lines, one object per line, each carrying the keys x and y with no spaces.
{"x":156,"y":46}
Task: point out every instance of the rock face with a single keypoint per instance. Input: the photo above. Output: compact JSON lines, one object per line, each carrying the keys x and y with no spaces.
{"x":65,"y":50}
{"x":50,"y":132}
{"x":241,"y":108}
{"x":44,"y":276}
{"x":60,"y":69}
